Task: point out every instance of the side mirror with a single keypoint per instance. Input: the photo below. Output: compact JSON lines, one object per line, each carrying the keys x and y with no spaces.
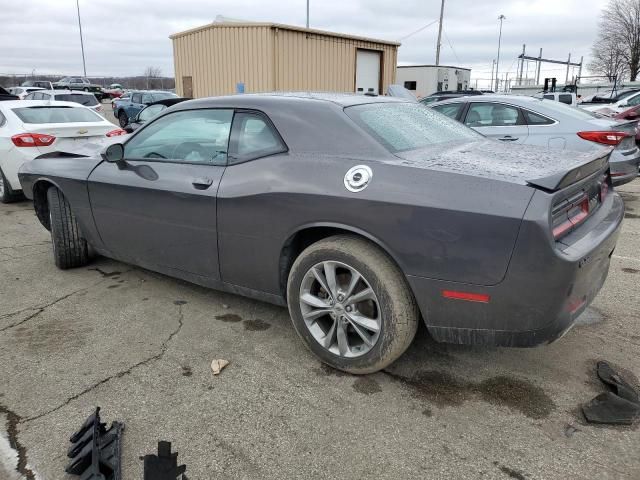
{"x":113,"y":153}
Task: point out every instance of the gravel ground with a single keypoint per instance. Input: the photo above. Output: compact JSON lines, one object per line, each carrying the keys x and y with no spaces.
{"x":139,"y":345}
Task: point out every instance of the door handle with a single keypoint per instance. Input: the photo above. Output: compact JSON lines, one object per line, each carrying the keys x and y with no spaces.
{"x":202,"y":183}
{"x":508,"y":138}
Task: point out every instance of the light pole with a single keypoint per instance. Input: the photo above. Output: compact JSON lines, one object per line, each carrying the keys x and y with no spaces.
{"x":84,"y":65}
{"x":501,"y":18}
{"x":493,"y":66}
{"x":307,"y":13}
{"x":439,"y":34}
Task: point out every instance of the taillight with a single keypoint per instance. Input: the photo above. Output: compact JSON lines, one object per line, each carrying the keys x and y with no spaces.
{"x":116,"y":133}
{"x":33,"y":140}
{"x":569,"y":214}
{"x":604,"y":138}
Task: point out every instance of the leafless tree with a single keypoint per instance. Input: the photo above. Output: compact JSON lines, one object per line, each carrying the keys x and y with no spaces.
{"x":152,"y":73}
{"x":608,"y":59}
{"x":620,"y":32}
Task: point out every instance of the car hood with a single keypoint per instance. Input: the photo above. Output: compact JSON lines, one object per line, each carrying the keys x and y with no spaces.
{"x":522,"y":164}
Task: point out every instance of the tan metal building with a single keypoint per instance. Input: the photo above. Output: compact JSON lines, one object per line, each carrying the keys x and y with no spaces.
{"x":224,"y":58}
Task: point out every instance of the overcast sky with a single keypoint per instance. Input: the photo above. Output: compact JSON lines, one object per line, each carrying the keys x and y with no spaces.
{"x":122,"y":37}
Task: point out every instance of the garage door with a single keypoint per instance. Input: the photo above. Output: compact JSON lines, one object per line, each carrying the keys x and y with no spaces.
{"x":368,"y":71}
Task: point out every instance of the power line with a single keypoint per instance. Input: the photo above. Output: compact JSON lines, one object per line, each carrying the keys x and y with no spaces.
{"x":419,"y":30}
{"x":451,"y":46}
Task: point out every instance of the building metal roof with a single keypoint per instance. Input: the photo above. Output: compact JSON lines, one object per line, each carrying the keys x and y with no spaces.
{"x":433,"y":66}
{"x":281,"y":27}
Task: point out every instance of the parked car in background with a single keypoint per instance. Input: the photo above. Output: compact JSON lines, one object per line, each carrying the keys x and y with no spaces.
{"x":567,"y":98}
{"x":402,"y":212}
{"x":115,"y":90}
{"x":440,"y":96}
{"x":608,"y":96}
{"x":22,"y":92}
{"x":533,"y":121}
{"x":6,"y":95}
{"x":611,"y":109}
{"x":37,"y":83}
{"x":128,"y":106}
{"x":79,"y":83}
{"x":632,"y":113}
{"x":86,"y":99}
{"x":150,"y":111}
{"x":29,"y":129}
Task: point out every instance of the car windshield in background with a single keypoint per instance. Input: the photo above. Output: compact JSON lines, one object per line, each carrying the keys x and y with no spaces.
{"x":163,"y":95}
{"x":86,"y":100}
{"x":405,"y":126}
{"x":56,"y":115}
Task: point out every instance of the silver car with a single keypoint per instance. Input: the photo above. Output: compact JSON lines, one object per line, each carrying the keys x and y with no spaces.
{"x":534,"y":121}
{"x":86,"y":99}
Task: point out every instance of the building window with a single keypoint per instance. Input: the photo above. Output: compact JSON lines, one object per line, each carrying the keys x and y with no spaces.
{"x":410,"y":85}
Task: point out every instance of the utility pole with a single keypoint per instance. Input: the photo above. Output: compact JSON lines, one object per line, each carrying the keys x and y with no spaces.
{"x":493,"y":65}
{"x":539,"y":65}
{"x":524,"y":48}
{"x":566,"y":79}
{"x":307,"y":13}
{"x":439,"y":34}
{"x":84,"y":65}
{"x":501,"y":18}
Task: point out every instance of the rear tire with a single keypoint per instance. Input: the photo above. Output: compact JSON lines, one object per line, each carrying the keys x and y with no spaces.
{"x":123,"y":119}
{"x":6,"y":194}
{"x":70,"y":249}
{"x":388,"y":317}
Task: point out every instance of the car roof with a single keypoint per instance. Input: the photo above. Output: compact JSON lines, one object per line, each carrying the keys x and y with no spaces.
{"x":519,"y":99}
{"x":340,"y":99}
{"x":66,"y":92}
{"x":11,"y":104}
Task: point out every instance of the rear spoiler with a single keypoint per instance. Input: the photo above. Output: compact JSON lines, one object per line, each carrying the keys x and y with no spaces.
{"x":561,"y":180}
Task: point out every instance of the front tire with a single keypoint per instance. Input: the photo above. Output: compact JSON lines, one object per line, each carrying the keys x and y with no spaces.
{"x":70,"y":249}
{"x":123,"y":119}
{"x":351,"y":304}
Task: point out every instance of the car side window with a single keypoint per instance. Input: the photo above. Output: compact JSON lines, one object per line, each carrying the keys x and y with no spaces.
{"x":192,"y":136}
{"x":150,"y":112}
{"x":3,"y":120}
{"x":634,"y":101}
{"x":451,"y":110}
{"x":146,"y":98}
{"x":31,"y":96}
{"x":136,"y":98}
{"x":492,"y":115}
{"x":253,"y":137}
{"x":535,"y":119}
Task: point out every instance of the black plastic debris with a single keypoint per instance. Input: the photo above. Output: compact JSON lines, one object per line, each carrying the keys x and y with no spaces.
{"x":96,"y":451}
{"x":619,"y":406}
{"x":163,"y":466}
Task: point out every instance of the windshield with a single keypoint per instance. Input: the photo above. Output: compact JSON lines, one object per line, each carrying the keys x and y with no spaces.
{"x":86,"y":100}
{"x":56,"y":115}
{"x":408,"y":126}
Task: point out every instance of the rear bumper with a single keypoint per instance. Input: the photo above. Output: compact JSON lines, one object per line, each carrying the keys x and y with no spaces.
{"x":624,"y":169}
{"x":541,"y":296}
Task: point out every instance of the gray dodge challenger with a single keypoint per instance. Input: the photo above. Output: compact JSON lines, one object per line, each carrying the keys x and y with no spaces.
{"x":362,"y":214}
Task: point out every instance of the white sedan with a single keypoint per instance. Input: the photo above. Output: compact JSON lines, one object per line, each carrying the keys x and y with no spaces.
{"x":31,"y":128}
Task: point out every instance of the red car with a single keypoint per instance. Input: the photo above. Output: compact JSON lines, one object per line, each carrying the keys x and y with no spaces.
{"x":632,"y":113}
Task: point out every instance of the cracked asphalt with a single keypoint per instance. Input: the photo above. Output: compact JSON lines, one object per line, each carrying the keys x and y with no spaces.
{"x":139,"y":345}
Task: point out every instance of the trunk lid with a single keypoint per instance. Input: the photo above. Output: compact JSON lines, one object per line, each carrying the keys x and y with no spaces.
{"x":70,"y":137}
{"x":523,"y":164}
